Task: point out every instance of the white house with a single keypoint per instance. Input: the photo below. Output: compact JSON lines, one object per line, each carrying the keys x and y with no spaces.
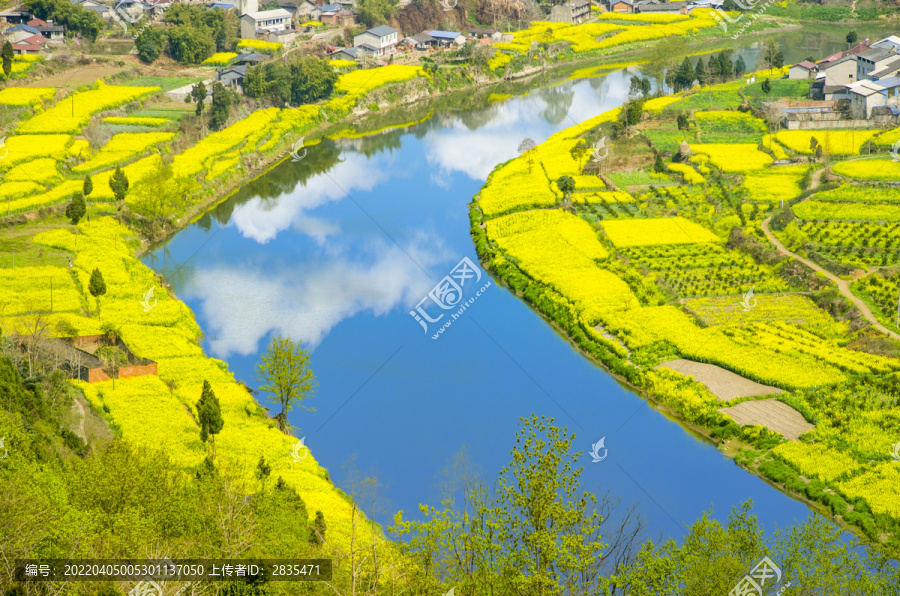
{"x":865,"y":95}
{"x":445,"y":38}
{"x":254,"y":21}
{"x":802,"y":70}
{"x":382,"y":39}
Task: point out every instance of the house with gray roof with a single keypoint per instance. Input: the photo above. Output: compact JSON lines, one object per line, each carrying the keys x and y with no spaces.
{"x":382,"y":39}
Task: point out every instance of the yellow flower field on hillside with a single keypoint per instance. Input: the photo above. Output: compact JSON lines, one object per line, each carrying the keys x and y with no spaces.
{"x":123,"y":147}
{"x":835,"y":142}
{"x":73,"y":112}
{"x":25,"y":96}
{"x":648,"y":232}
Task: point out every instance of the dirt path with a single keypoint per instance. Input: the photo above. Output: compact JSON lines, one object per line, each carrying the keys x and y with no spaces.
{"x":842,"y":284}
{"x":79,"y":408}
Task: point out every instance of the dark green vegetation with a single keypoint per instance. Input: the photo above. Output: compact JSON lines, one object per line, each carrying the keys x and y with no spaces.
{"x":75,"y":18}
{"x":195,"y":33}
{"x":305,"y":80}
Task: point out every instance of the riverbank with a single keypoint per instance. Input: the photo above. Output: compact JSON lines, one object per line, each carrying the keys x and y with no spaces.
{"x":596,"y":278}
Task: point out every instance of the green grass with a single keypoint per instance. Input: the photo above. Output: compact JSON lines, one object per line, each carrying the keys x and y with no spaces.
{"x":15,"y":243}
{"x":636,"y":178}
{"x":798,"y":89}
{"x":705,"y":99}
{"x":668,"y":138}
{"x":165,"y":83}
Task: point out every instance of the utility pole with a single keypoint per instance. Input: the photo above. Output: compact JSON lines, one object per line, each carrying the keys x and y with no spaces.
{"x":51,"y":295}
{"x":897,"y":322}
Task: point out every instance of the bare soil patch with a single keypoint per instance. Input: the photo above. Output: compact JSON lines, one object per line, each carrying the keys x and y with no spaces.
{"x":722,"y":383}
{"x":772,"y":414}
{"x":77,"y":77}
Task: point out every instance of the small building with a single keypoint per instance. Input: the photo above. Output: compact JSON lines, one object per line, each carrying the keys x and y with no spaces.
{"x":29,"y":45}
{"x":837,"y":75}
{"x":270,"y":20}
{"x":422,"y":41}
{"x":445,"y":38}
{"x":623,"y":6}
{"x":19,"y":32}
{"x":382,"y":39}
{"x":305,"y":7}
{"x":343,"y":17}
{"x":317,"y":12}
{"x":15,"y":16}
{"x":872,"y":59}
{"x":571,"y":12}
{"x":352,"y":54}
{"x":248,"y":59}
{"x":480,"y":33}
{"x":888,"y":42}
{"x":48,"y":30}
{"x":890,"y":68}
{"x":80,"y":360}
{"x":865,"y":95}
{"x":232,"y":76}
{"x":802,"y":70}
{"x":661,"y":7}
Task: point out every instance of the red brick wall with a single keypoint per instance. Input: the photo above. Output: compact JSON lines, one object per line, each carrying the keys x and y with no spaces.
{"x":96,"y":375}
{"x":137,"y":370}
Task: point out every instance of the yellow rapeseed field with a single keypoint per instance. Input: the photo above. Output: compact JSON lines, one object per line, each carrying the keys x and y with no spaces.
{"x":648,"y":232}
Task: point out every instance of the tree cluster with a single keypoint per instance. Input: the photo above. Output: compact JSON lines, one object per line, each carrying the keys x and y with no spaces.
{"x":196,"y":32}
{"x":303,"y":81}
{"x":72,"y":16}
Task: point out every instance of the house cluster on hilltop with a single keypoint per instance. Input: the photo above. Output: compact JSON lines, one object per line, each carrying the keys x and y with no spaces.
{"x":29,"y":35}
{"x":865,"y":78}
{"x":658,"y":6}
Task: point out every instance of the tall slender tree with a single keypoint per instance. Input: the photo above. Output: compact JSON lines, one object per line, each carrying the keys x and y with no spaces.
{"x":209,"y":414}
{"x":284,"y":370}
{"x":7,"y":55}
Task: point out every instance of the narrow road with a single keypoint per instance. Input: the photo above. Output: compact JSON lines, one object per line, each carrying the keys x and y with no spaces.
{"x":842,"y":284}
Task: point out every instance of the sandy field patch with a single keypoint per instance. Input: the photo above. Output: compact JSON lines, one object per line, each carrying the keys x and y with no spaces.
{"x":772,"y":414}
{"x":722,"y":383}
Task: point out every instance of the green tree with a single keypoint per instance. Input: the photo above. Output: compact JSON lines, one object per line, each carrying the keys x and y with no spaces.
{"x":778,"y":62}
{"x":684,"y":123}
{"x":263,"y":471}
{"x":189,"y":45}
{"x":311,"y":80}
{"x":578,"y":151}
{"x":700,"y":72}
{"x":221,"y":106}
{"x":658,"y":166}
{"x":118,"y":183}
{"x":317,"y":535}
{"x":851,"y":37}
{"x":685,"y":76}
{"x":150,"y":43}
{"x":168,"y":196}
{"x":7,"y":54}
{"x":75,"y":18}
{"x":566,"y":185}
{"x":88,"y":186}
{"x":767,"y":86}
{"x":284,"y":370}
{"x":209,"y":415}
{"x":76,"y":208}
{"x":740,"y":67}
{"x":770,"y":51}
{"x":198,"y":94}
{"x":96,"y":286}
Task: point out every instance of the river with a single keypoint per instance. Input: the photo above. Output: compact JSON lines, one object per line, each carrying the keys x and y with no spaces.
{"x":337,"y":248}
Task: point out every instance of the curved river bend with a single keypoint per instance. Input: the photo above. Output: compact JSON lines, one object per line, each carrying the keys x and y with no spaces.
{"x":337,"y":249}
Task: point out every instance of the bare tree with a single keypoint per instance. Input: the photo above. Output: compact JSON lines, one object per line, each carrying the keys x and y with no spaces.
{"x":31,"y":329}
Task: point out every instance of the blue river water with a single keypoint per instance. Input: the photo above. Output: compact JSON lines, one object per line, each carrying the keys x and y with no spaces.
{"x":338,"y":248}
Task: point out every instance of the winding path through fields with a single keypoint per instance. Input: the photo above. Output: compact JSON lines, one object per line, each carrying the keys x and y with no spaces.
{"x":842,"y":284}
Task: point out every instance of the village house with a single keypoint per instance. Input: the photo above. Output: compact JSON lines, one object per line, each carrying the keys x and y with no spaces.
{"x":30,"y":45}
{"x":446,"y":38}
{"x":802,"y":70}
{"x":379,"y":40}
{"x":866,"y":95}
{"x":571,"y":12}
{"x":888,"y":69}
{"x":48,"y":30}
{"x":661,"y":7}
{"x":422,"y":41}
{"x":15,"y":16}
{"x":317,"y":12}
{"x":232,"y":76}
{"x":479,"y":33}
{"x":255,"y":22}
{"x":624,"y":6}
